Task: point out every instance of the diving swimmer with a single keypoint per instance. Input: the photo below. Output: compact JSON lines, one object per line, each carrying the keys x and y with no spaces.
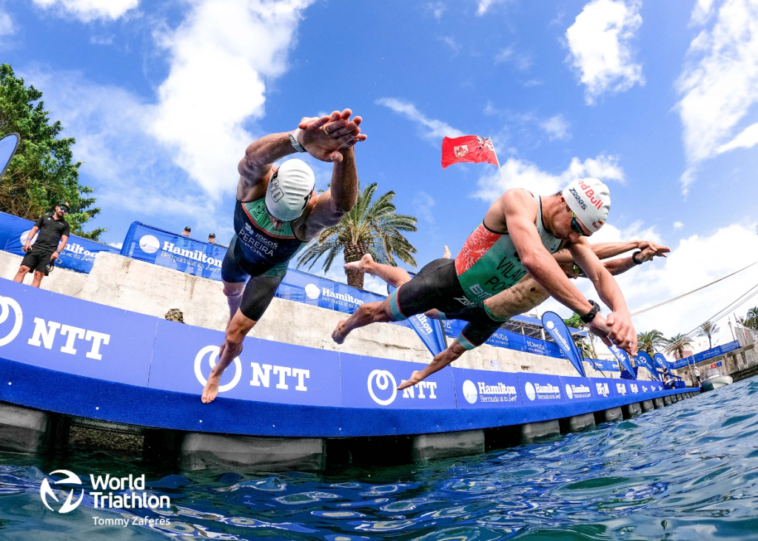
{"x":277,"y":211}
{"x":519,"y":235}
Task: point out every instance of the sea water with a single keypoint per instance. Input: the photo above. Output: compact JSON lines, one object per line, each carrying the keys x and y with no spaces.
{"x":684,"y":472}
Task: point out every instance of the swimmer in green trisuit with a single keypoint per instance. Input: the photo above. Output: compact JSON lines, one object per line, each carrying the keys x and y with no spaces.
{"x":276,"y":213}
{"x":519,"y":235}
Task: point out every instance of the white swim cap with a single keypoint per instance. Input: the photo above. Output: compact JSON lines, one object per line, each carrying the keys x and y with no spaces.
{"x":590,"y":200}
{"x":289,"y":190}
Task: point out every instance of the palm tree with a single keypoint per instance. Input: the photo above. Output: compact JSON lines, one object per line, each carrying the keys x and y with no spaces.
{"x":751,"y":319}
{"x":677,"y":343}
{"x":370,"y":227}
{"x":709,"y":329}
{"x":648,"y":341}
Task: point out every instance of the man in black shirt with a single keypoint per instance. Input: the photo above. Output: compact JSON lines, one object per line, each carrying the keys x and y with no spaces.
{"x":53,"y":236}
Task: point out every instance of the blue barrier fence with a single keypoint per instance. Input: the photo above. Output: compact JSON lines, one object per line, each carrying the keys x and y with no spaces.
{"x":63,"y":354}
{"x":79,"y":254}
{"x":704,"y":355}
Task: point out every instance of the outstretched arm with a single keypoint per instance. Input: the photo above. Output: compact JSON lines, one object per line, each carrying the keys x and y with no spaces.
{"x":623,"y":264}
{"x":622,"y":331}
{"x":322,"y":137}
{"x":338,"y":199}
{"x":440,"y":361}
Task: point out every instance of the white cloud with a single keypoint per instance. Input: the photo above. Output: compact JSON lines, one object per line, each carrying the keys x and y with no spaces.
{"x":522,"y":61}
{"x":503,"y":55}
{"x":485,"y":5}
{"x":523,"y":174}
{"x":423,"y":204}
{"x":694,"y":262}
{"x":599,"y":41}
{"x":719,"y":85}
{"x":6,"y":24}
{"x":221,"y":56}
{"x":103,"y":39}
{"x":437,"y":9}
{"x":89,"y":10}
{"x":745,"y":139}
{"x":678,"y":225}
{"x":702,"y":11}
{"x":557,"y":127}
{"x":451,"y":42}
{"x":431,"y":129}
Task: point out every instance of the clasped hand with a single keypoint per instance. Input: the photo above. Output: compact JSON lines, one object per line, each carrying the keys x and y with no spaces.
{"x":327,"y":137}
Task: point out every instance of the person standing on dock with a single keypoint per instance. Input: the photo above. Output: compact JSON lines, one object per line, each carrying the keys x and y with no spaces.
{"x":276,"y":213}
{"x":52,"y":238}
{"x":519,"y":235}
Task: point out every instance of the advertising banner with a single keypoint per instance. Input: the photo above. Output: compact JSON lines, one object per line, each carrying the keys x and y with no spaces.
{"x":623,"y":359}
{"x":265,"y":371}
{"x":604,"y":387}
{"x":643,"y":359}
{"x":429,"y":330}
{"x":74,"y":336}
{"x":486,"y":389}
{"x":605,"y":366}
{"x":705,"y":355}
{"x":79,"y":254}
{"x":578,"y":389}
{"x":173,"y":251}
{"x":368,"y":382}
{"x":510,"y":340}
{"x":562,"y":336}
{"x":540,"y":389}
{"x":8,"y":146}
{"x":660,"y":361}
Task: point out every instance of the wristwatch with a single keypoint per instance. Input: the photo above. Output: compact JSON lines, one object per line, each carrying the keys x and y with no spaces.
{"x":295,"y":143}
{"x":634,"y":258}
{"x":589,"y":316}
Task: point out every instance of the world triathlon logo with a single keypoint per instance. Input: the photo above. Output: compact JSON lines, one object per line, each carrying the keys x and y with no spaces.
{"x":382,"y":380}
{"x":46,"y":491}
{"x":7,"y":305}
{"x":212,"y":353}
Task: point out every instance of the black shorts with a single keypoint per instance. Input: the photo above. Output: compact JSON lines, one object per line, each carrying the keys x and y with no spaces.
{"x":436,"y":286}
{"x":37,"y":259}
{"x":260,"y":290}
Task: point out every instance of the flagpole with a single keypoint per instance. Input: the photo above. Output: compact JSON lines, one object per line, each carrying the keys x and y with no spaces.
{"x":498,"y":164}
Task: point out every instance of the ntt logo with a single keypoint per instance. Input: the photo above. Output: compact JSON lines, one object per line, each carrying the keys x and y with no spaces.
{"x":7,"y":305}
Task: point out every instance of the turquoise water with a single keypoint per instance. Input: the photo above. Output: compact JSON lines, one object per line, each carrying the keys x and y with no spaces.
{"x":686,"y":472}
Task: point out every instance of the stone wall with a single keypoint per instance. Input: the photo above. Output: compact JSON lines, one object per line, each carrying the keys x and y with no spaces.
{"x":141,"y":287}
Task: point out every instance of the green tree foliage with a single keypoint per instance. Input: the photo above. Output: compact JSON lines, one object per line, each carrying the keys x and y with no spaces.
{"x":586,"y":345}
{"x":370,"y":227}
{"x":751,"y":319}
{"x":648,"y":341}
{"x":708,"y":329}
{"x":42,"y":173}
{"x":677,"y":343}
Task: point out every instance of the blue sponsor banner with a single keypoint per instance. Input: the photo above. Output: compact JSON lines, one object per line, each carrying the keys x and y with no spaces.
{"x":540,"y":389}
{"x":370,"y":382}
{"x":60,"y":333}
{"x":604,"y":387}
{"x":560,"y":333}
{"x":78,"y":255}
{"x":605,"y":366}
{"x":173,"y":251}
{"x":660,"y":361}
{"x":577,"y":389}
{"x":650,"y":386}
{"x":705,"y":355}
{"x":643,"y":359}
{"x":622,"y":387}
{"x":486,"y":389}
{"x":265,"y":371}
{"x":623,"y":359}
{"x":506,"y":339}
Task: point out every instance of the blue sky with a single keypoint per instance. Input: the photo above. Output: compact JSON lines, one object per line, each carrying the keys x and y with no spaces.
{"x":656,"y":98}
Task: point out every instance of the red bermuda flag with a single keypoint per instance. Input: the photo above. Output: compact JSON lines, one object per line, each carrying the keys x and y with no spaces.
{"x":469,"y":148}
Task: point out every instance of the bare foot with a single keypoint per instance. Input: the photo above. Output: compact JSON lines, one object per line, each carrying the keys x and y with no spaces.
{"x":362,"y":265}
{"x":447,"y":254}
{"x":337,"y":335}
{"x":211,"y":389}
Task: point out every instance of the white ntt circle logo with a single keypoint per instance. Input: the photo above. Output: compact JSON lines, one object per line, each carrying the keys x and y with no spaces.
{"x":531,"y":394}
{"x":469,"y":391}
{"x":212,"y":360}
{"x":312,"y":291}
{"x":569,"y":392}
{"x":6,"y":305}
{"x":45,"y":491}
{"x":382,"y":379}
{"x":149,"y":244}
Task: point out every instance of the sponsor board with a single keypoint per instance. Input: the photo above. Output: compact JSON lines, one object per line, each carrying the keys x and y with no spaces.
{"x":577,"y":389}
{"x":540,"y":389}
{"x":486,"y":389}
{"x":369,"y":382}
